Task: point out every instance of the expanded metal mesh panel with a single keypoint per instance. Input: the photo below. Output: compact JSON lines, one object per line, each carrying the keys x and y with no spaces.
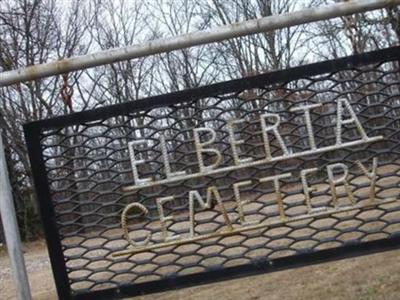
{"x":84,"y":175}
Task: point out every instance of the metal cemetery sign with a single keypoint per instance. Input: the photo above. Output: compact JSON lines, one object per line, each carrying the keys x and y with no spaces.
{"x":222,"y":181}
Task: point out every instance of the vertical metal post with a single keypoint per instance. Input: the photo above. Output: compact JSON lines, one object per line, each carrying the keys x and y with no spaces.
{"x":11,"y":232}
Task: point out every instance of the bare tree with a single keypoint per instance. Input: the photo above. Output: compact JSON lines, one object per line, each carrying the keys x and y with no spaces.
{"x":34,"y":32}
{"x":353,"y":34}
{"x":37,"y":31}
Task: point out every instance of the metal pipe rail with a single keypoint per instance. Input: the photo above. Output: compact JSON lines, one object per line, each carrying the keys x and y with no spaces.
{"x":193,"y":39}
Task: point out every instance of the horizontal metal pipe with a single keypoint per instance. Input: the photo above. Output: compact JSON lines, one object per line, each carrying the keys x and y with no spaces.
{"x":192,"y":39}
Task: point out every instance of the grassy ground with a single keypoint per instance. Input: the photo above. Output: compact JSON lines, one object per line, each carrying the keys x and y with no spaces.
{"x":368,"y":277}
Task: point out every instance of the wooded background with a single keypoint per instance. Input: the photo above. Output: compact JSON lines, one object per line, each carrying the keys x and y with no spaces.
{"x":39,"y":31}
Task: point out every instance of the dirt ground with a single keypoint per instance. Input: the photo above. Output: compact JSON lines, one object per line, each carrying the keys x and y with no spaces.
{"x":370,"y":277}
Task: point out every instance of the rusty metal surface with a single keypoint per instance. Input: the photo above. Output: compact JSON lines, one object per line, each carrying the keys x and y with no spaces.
{"x":281,"y":199}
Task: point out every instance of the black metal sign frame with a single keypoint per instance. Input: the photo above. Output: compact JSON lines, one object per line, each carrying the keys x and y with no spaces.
{"x":34,"y":130}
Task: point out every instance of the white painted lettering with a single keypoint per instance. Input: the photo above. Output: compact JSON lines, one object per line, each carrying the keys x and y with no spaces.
{"x":353,"y":119}
{"x":125,"y":224}
{"x":200,"y":149}
{"x":334,"y":182}
{"x":278,"y":193}
{"x":307,"y":118}
{"x":163,"y":219}
{"x":306,"y":188}
{"x":371,"y":176}
{"x":135,"y":163}
{"x":212,"y":192}
{"x":240,"y":203}
{"x":234,"y":143}
{"x":167,"y":164}
{"x":274,"y":128}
